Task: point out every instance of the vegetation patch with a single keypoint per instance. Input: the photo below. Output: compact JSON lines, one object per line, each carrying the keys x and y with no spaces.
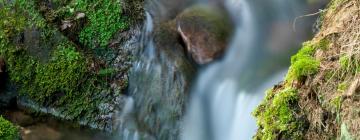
{"x":277,"y":116}
{"x":104,"y":20}
{"x":8,"y":131}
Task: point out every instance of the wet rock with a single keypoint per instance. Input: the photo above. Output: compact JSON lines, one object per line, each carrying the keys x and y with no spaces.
{"x":160,"y":82}
{"x":205,"y":31}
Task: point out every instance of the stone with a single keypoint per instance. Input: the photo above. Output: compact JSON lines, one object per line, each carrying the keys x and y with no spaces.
{"x":205,"y":31}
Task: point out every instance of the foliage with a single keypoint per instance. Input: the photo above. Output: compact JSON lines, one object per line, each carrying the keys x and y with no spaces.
{"x":7,"y":130}
{"x":276,"y":116}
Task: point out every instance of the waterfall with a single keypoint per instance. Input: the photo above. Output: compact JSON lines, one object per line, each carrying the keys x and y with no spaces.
{"x":225,"y":92}
{"x":228,"y":91}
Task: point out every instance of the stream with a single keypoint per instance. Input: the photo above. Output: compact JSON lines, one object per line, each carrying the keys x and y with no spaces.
{"x":171,"y":97}
{"x":44,"y":127}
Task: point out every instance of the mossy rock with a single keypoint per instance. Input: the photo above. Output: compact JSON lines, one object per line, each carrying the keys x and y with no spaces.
{"x":205,"y":30}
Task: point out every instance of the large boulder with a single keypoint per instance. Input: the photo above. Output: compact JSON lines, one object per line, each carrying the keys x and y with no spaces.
{"x":205,"y":31}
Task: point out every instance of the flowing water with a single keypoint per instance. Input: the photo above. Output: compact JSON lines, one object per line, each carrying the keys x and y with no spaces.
{"x":225,"y":92}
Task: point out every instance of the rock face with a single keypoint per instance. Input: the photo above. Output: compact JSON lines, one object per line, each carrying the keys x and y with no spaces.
{"x":205,"y":31}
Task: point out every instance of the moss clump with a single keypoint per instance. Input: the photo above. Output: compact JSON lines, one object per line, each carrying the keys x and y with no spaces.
{"x":63,"y":73}
{"x":276,"y":116}
{"x":303,"y":63}
{"x":7,"y":130}
{"x":105,"y":19}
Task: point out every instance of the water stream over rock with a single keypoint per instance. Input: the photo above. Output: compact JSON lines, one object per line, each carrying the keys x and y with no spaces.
{"x":226,"y":91}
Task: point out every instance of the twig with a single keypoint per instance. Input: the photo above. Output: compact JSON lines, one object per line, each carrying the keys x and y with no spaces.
{"x":308,"y":15}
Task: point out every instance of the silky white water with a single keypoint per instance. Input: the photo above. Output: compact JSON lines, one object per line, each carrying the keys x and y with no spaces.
{"x":228,"y":91}
{"x":222,"y":94}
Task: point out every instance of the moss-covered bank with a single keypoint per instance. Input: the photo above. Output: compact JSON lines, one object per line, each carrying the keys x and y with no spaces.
{"x":319,"y":97}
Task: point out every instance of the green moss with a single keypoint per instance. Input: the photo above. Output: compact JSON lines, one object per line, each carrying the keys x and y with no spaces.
{"x":105,"y":19}
{"x":10,"y":23}
{"x":8,"y":131}
{"x":28,"y":8}
{"x":70,"y":78}
{"x":276,"y":116}
{"x":63,"y":73}
{"x":344,"y":62}
{"x":303,"y":63}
